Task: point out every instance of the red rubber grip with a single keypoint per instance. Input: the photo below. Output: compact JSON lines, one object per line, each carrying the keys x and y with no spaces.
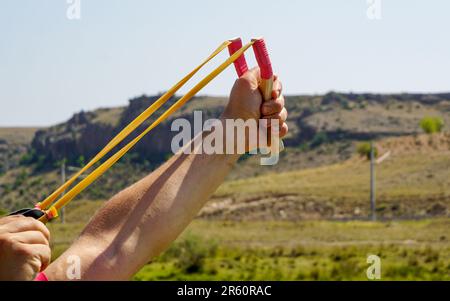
{"x":240,"y":64}
{"x":263,"y":59}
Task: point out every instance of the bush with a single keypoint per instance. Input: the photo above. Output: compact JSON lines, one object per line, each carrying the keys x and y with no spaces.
{"x":432,"y":125}
{"x":20,"y":179}
{"x":346,"y":105}
{"x":7,"y":188}
{"x":81,"y":161}
{"x":319,"y":139}
{"x":28,"y":158}
{"x":40,"y":163}
{"x":190,"y":253}
{"x":363,"y":149}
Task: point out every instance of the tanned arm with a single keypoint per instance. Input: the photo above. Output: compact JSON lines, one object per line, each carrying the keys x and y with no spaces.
{"x":141,"y":221}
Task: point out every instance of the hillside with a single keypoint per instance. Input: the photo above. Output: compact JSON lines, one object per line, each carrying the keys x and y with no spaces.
{"x":413,"y":182}
{"x":319,"y":163}
{"x":304,"y":218}
{"x":313,"y":119}
{"x":14,"y":143}
{"x":305,"y":250}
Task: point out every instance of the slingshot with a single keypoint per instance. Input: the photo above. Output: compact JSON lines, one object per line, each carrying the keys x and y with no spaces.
{"x":48,"y":208}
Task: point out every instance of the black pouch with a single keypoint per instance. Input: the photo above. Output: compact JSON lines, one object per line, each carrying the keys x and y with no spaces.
{"x":29,"y":212}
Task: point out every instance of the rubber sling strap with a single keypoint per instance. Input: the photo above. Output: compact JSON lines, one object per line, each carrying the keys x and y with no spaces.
{"x":114,"y":158}
{"x":130,"y":128}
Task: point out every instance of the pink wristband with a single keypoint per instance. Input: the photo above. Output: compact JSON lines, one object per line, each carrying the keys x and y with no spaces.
{"x":41,"y":277}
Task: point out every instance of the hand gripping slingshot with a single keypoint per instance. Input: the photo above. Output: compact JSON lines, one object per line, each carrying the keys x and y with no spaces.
{"x":48,"y":209}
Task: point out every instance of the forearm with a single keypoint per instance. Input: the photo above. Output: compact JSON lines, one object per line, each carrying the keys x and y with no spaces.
{"x":141,"y":221}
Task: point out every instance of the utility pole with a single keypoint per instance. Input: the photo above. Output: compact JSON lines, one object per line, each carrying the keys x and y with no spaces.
{"x":372,"y":182}
{"x":63,"y":179}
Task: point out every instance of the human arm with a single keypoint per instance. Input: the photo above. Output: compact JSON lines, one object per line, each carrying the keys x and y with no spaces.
{"x":141,"y":221}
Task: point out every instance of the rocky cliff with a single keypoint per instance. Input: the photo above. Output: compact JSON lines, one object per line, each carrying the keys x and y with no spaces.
{"x":312,"y":119}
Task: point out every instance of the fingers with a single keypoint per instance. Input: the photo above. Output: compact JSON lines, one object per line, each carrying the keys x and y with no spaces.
{"x":281,"y":116}
{"x":24,"y":247}
{"x":271,"y":109}
{"x":273,"y":106}
{"x":31,"y":237}
{"x":20,"y":223}
{"x":8,"y":219}
{"x":44,"y":252}
{"x":277,"y":87}
{"x":283,"y":130}
{"x":276,"y":104}
{"x":274,"y":109}
{"x":41,"y":255}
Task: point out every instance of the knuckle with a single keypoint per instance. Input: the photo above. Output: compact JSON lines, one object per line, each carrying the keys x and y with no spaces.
{"x":23,"y":251}
{"x":35,"y":264}
{"x":44,"y":231}
{"x":279,"y":105}
{"x":46,"y":241}
{"x":31,"y":221}
{"x":279,"y":86}
{"x":9,"y":219}
{"x":26,"y":221}
{"x":42,"y":237}
{"x":47,"y":252}
{"x":244,"y":82}
{"x":6,"y":241}
{"x":36,"y":225}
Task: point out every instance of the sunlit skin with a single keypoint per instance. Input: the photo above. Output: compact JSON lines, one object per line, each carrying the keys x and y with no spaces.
{"x":141,"y":221}
{"x":24,"y":247}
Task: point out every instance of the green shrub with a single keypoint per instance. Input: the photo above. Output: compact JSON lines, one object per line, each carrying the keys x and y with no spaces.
{"x":432,"y":125}
{"x":346,"y":105}
{"x":81,"y":161}
{"x":7,"y":188}
{"x":28,"y":158}
{"x":20,"y":179}
{"x":40,"y":163}
{"x":58,"y":163}
{"x":190,"y":253}
{"x":303,"y":147}
{"x":363,"y":149}
{"x":319,"y":139}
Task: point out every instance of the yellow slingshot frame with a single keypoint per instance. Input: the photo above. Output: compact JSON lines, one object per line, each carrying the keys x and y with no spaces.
{"x":51,"y":205}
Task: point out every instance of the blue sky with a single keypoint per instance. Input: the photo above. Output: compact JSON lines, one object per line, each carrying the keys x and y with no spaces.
{"x":51,"y":67}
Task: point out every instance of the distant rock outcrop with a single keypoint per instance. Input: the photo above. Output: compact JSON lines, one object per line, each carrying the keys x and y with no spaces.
{"x":312,"y":119}
{"x":86,"y":133}
{"x":78,"y":136}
